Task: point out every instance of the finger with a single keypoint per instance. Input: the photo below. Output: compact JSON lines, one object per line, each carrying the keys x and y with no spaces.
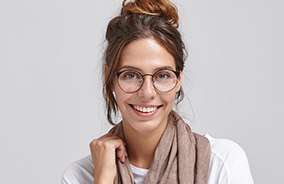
{"x":121,"y":154}
{"x":112,"y":141}
{"x":121,"y":151}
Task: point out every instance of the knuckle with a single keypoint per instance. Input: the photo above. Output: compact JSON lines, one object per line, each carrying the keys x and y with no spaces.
{"x":93,"y":143}
{"x":108,"y":144}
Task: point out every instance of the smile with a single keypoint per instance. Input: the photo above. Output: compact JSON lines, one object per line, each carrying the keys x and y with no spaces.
{"x":148,"y":109}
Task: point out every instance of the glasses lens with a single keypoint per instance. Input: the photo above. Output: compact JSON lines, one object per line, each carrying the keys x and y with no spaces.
{"x":130,"y":81}
{"x":165,"y":80}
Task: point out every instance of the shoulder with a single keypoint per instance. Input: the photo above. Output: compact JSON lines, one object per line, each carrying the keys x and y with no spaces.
{"x":229,"y":163}
{"x":80,"y":171}
{"x":225,"y":149}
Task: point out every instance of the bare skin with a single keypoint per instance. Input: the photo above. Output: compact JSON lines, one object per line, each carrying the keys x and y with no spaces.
{"x":142,"y":131}
{"x":142,"y":156}
{"x":104,"y":151}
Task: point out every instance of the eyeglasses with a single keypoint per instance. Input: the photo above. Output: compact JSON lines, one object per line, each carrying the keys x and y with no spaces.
{"x":131,"y":81}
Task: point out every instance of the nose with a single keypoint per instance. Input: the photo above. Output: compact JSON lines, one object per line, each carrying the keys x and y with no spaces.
{"x":147,"y":89}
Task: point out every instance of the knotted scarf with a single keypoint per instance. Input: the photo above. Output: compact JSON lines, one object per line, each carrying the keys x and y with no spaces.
{"x":181,"y":156}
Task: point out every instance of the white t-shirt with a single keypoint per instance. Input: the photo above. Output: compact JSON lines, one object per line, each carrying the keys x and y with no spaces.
{"x":228,"y":165}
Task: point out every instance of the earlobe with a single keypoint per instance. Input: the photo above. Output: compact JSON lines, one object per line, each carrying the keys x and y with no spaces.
{"x":114,"y":95}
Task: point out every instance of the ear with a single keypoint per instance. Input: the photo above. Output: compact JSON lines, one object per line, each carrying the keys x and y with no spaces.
{"x":114,"y":95}
{"x":179,"y":81}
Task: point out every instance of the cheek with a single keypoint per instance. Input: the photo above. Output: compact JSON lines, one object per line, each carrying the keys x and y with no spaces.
{"x":170,"y":97}
{"x":121,"y":96}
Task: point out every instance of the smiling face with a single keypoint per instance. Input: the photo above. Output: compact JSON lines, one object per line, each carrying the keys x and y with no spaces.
{"x":147,"y":109}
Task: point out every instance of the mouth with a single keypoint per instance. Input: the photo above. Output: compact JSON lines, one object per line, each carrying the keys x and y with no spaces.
{"x":145,"y":109}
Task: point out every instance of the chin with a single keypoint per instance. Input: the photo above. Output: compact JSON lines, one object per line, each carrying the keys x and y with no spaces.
{"x":144,"y":125}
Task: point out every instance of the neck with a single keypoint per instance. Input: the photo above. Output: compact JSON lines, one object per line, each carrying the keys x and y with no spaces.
{"x":141,"y":146}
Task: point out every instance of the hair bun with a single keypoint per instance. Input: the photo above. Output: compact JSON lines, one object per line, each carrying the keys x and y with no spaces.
{"x":161,"y":8}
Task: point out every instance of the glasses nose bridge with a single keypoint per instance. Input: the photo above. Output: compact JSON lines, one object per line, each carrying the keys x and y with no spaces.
{"x":143,"y":81}
{"x":148,"y":74}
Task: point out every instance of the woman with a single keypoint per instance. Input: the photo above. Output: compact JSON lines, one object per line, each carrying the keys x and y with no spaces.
{"x":144,"y":60}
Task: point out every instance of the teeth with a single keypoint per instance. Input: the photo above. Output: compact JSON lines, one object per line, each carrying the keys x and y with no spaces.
{"x":145,"y":109}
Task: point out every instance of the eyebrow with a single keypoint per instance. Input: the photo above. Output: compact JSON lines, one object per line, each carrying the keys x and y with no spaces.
{"x":135,"y":68}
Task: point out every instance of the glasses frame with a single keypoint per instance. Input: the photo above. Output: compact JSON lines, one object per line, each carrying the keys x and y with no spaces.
{"x":177,"y":73}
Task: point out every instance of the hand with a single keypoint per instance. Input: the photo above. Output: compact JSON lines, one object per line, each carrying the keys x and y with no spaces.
{"x":104,"y":151}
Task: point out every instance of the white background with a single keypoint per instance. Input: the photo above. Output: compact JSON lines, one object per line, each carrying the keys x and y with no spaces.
{"x":51,"y":105}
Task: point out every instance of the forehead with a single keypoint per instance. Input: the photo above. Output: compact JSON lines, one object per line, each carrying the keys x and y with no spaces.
{"x":146,"y":55}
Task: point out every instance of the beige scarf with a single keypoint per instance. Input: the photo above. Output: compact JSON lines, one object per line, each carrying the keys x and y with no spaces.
{"x":180,"y":157}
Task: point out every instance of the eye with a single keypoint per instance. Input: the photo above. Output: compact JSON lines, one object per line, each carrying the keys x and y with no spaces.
{"x":130,"y":75}
{"x":163,"y":75}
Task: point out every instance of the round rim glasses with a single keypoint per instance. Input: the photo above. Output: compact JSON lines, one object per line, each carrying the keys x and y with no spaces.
{"x":131,"y":81}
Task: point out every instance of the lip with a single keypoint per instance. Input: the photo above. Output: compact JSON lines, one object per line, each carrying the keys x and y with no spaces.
{"x":145,"y":114}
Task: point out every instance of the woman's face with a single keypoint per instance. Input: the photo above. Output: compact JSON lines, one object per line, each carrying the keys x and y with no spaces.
{"x":147,"y":109}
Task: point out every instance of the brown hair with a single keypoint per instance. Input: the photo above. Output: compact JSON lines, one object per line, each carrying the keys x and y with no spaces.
{"x":157,"y":19}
